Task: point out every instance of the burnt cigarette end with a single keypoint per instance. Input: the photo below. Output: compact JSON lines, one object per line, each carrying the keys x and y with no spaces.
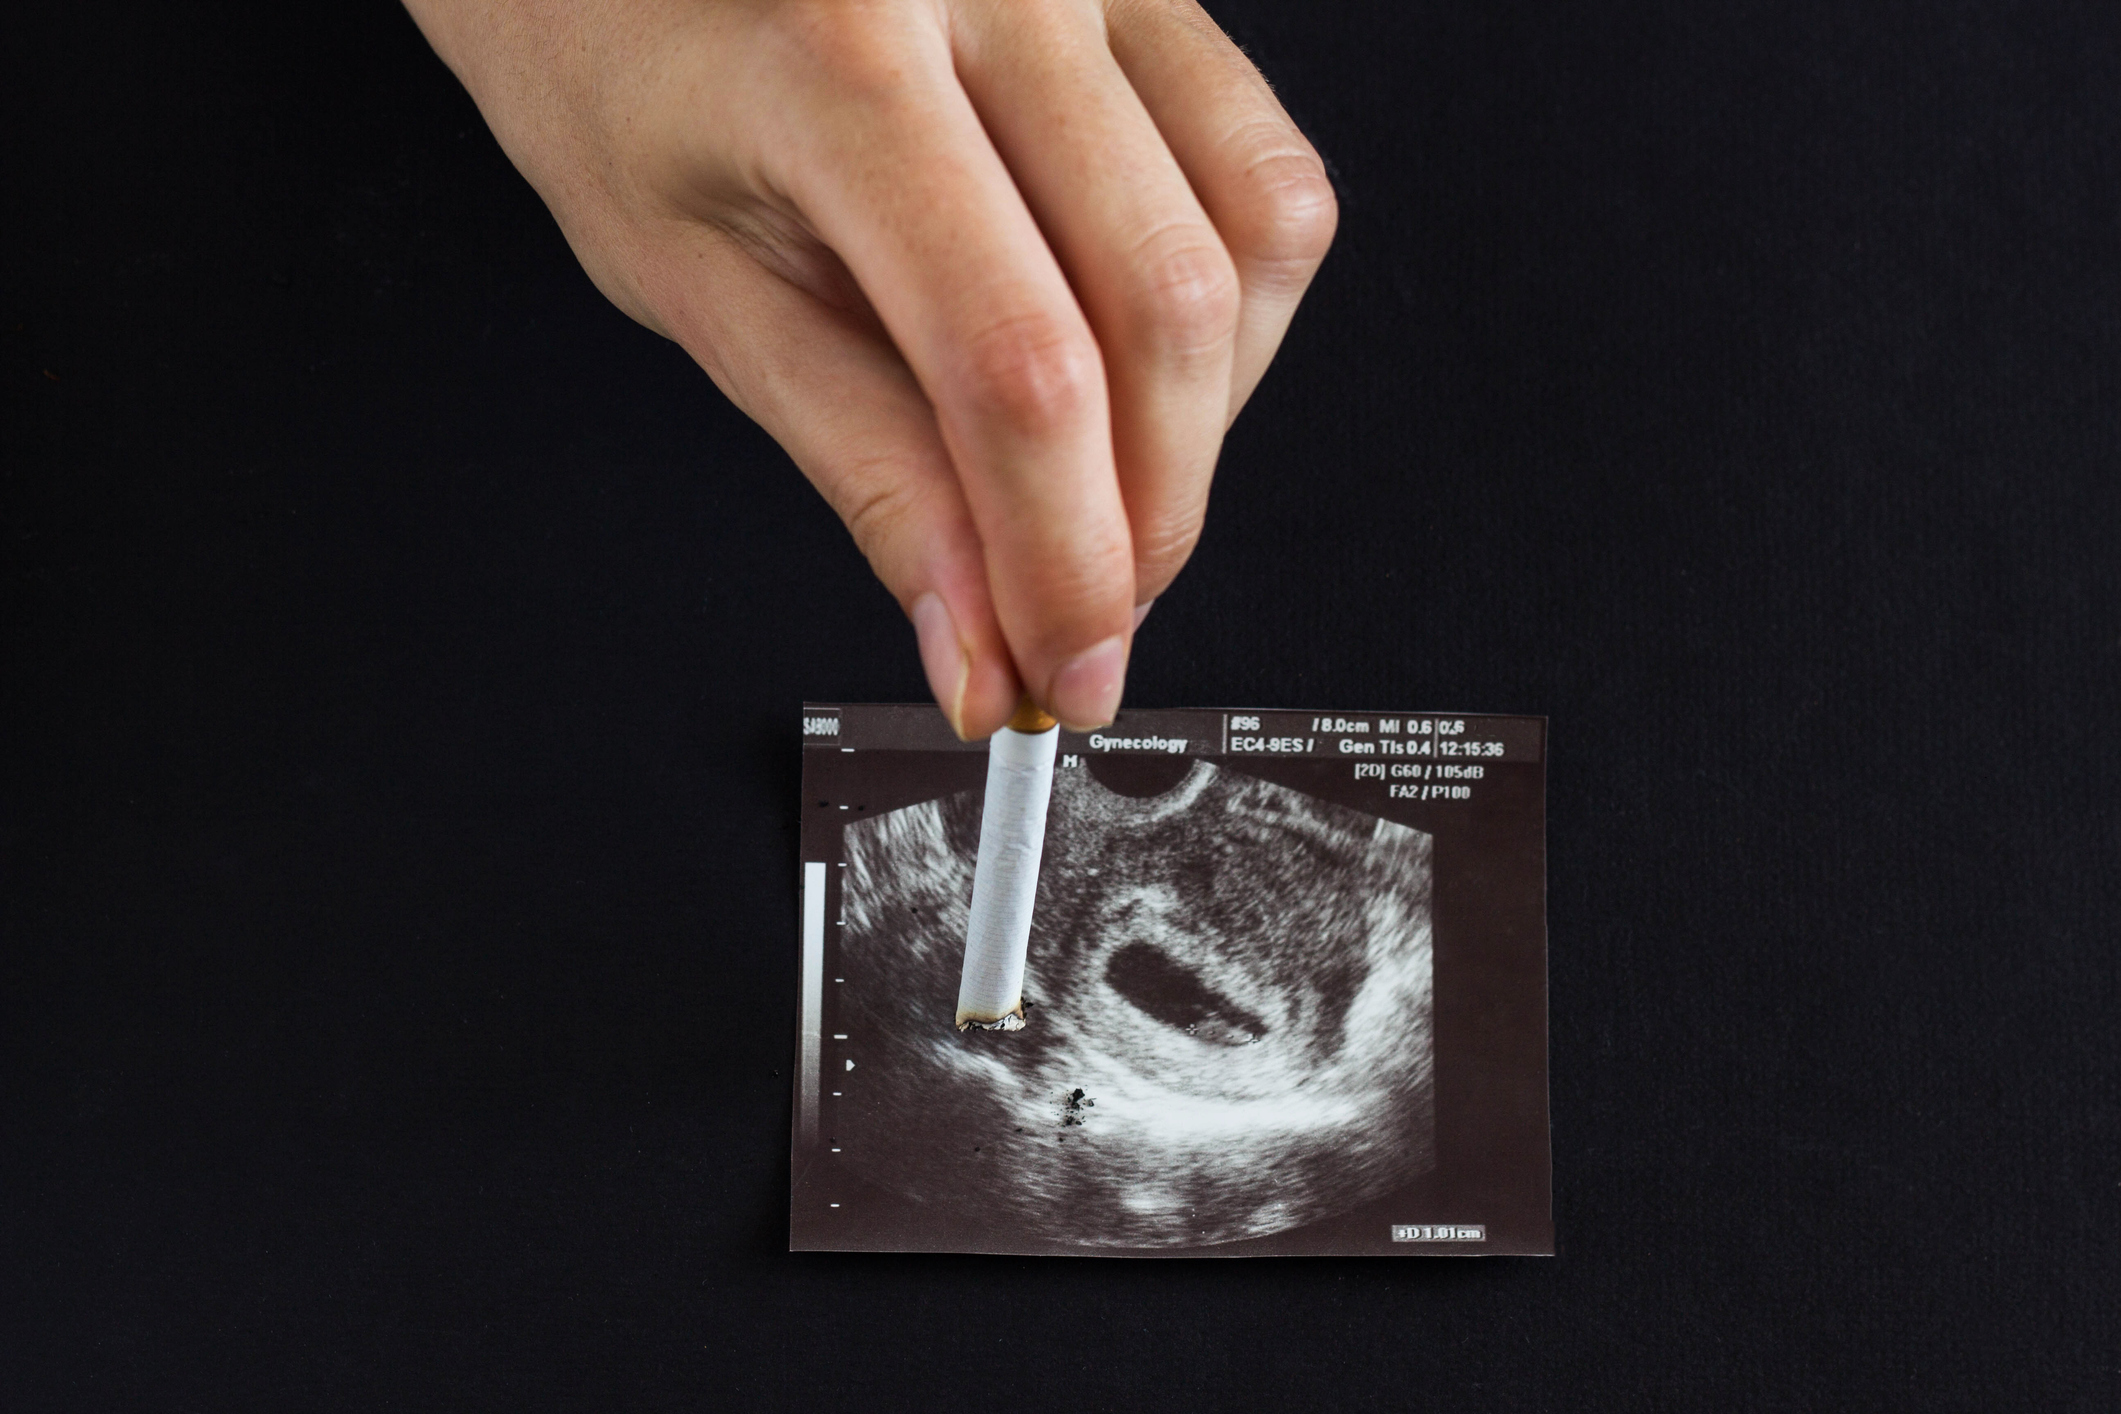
{"x":1030,"y":720}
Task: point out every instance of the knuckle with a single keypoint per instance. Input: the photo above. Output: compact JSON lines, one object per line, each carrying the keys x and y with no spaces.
{"x":1062,"y":611}
{"x":1065,"y":583}
{"x":877,"y":511}
{"x":1032,"y":376}
{"x":859,"y":46}
{"x":1161,"y":550}
{"x":1186,"y":301}
{"x":1289,"y":212}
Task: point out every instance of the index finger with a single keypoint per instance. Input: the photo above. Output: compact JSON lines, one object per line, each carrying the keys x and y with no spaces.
{"x":897,"y":175}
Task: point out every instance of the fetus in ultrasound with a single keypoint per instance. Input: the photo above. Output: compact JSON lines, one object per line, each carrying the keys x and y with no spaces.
{"x":1229,"y":1014}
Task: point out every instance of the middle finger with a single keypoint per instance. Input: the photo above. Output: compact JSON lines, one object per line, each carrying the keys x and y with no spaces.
{"x":1146,"y":263}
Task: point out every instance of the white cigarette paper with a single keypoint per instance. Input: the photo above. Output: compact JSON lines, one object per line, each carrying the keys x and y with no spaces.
{"x":1012,"y":833}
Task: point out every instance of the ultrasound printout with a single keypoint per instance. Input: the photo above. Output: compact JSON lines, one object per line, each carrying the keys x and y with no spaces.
{"x":1285,"y":991}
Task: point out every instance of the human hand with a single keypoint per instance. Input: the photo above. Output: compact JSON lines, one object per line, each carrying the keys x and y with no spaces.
{"x":996,"y":273}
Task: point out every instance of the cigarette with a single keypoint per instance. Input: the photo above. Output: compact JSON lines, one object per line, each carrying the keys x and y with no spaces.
{"x":1012,"y":833}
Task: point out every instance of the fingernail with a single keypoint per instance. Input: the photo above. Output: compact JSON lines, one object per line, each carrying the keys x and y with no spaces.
{"x":1141,"y":611}
{"x":1085,"y":691}
{"x":943,"y":656}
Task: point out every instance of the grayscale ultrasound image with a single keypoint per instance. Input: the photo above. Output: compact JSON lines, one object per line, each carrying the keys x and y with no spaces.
{"x":1229,"y":1016}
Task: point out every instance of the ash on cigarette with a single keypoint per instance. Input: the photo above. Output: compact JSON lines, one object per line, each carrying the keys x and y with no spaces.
{"x":1238,"y":972}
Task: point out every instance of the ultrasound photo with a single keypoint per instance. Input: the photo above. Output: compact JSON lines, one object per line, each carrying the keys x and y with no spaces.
{"x":1230,"y":1038}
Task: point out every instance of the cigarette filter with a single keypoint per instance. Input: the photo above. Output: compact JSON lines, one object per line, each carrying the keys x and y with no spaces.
{"x":1012,"y":832}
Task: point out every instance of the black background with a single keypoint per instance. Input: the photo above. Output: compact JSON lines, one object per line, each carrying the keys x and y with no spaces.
{"x":403,"y":652}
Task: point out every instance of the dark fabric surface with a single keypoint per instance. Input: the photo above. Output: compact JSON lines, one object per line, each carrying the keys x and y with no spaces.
{"x":402,"y":654}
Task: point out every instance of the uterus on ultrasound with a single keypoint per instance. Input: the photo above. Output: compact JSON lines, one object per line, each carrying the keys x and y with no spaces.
{"x":1229,"y":995}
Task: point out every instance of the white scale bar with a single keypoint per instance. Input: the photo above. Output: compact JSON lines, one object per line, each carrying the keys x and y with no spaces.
{"x":813,"y":996}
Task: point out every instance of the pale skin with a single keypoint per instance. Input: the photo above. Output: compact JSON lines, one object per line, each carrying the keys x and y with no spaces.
{"x":998,"y":274}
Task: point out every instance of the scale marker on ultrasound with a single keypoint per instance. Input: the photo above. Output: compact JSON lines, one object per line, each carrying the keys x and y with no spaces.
{"x":813,"y":996}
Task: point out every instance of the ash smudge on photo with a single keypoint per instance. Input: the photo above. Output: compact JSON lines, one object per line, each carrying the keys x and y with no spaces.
{"x":1237,"y":972}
